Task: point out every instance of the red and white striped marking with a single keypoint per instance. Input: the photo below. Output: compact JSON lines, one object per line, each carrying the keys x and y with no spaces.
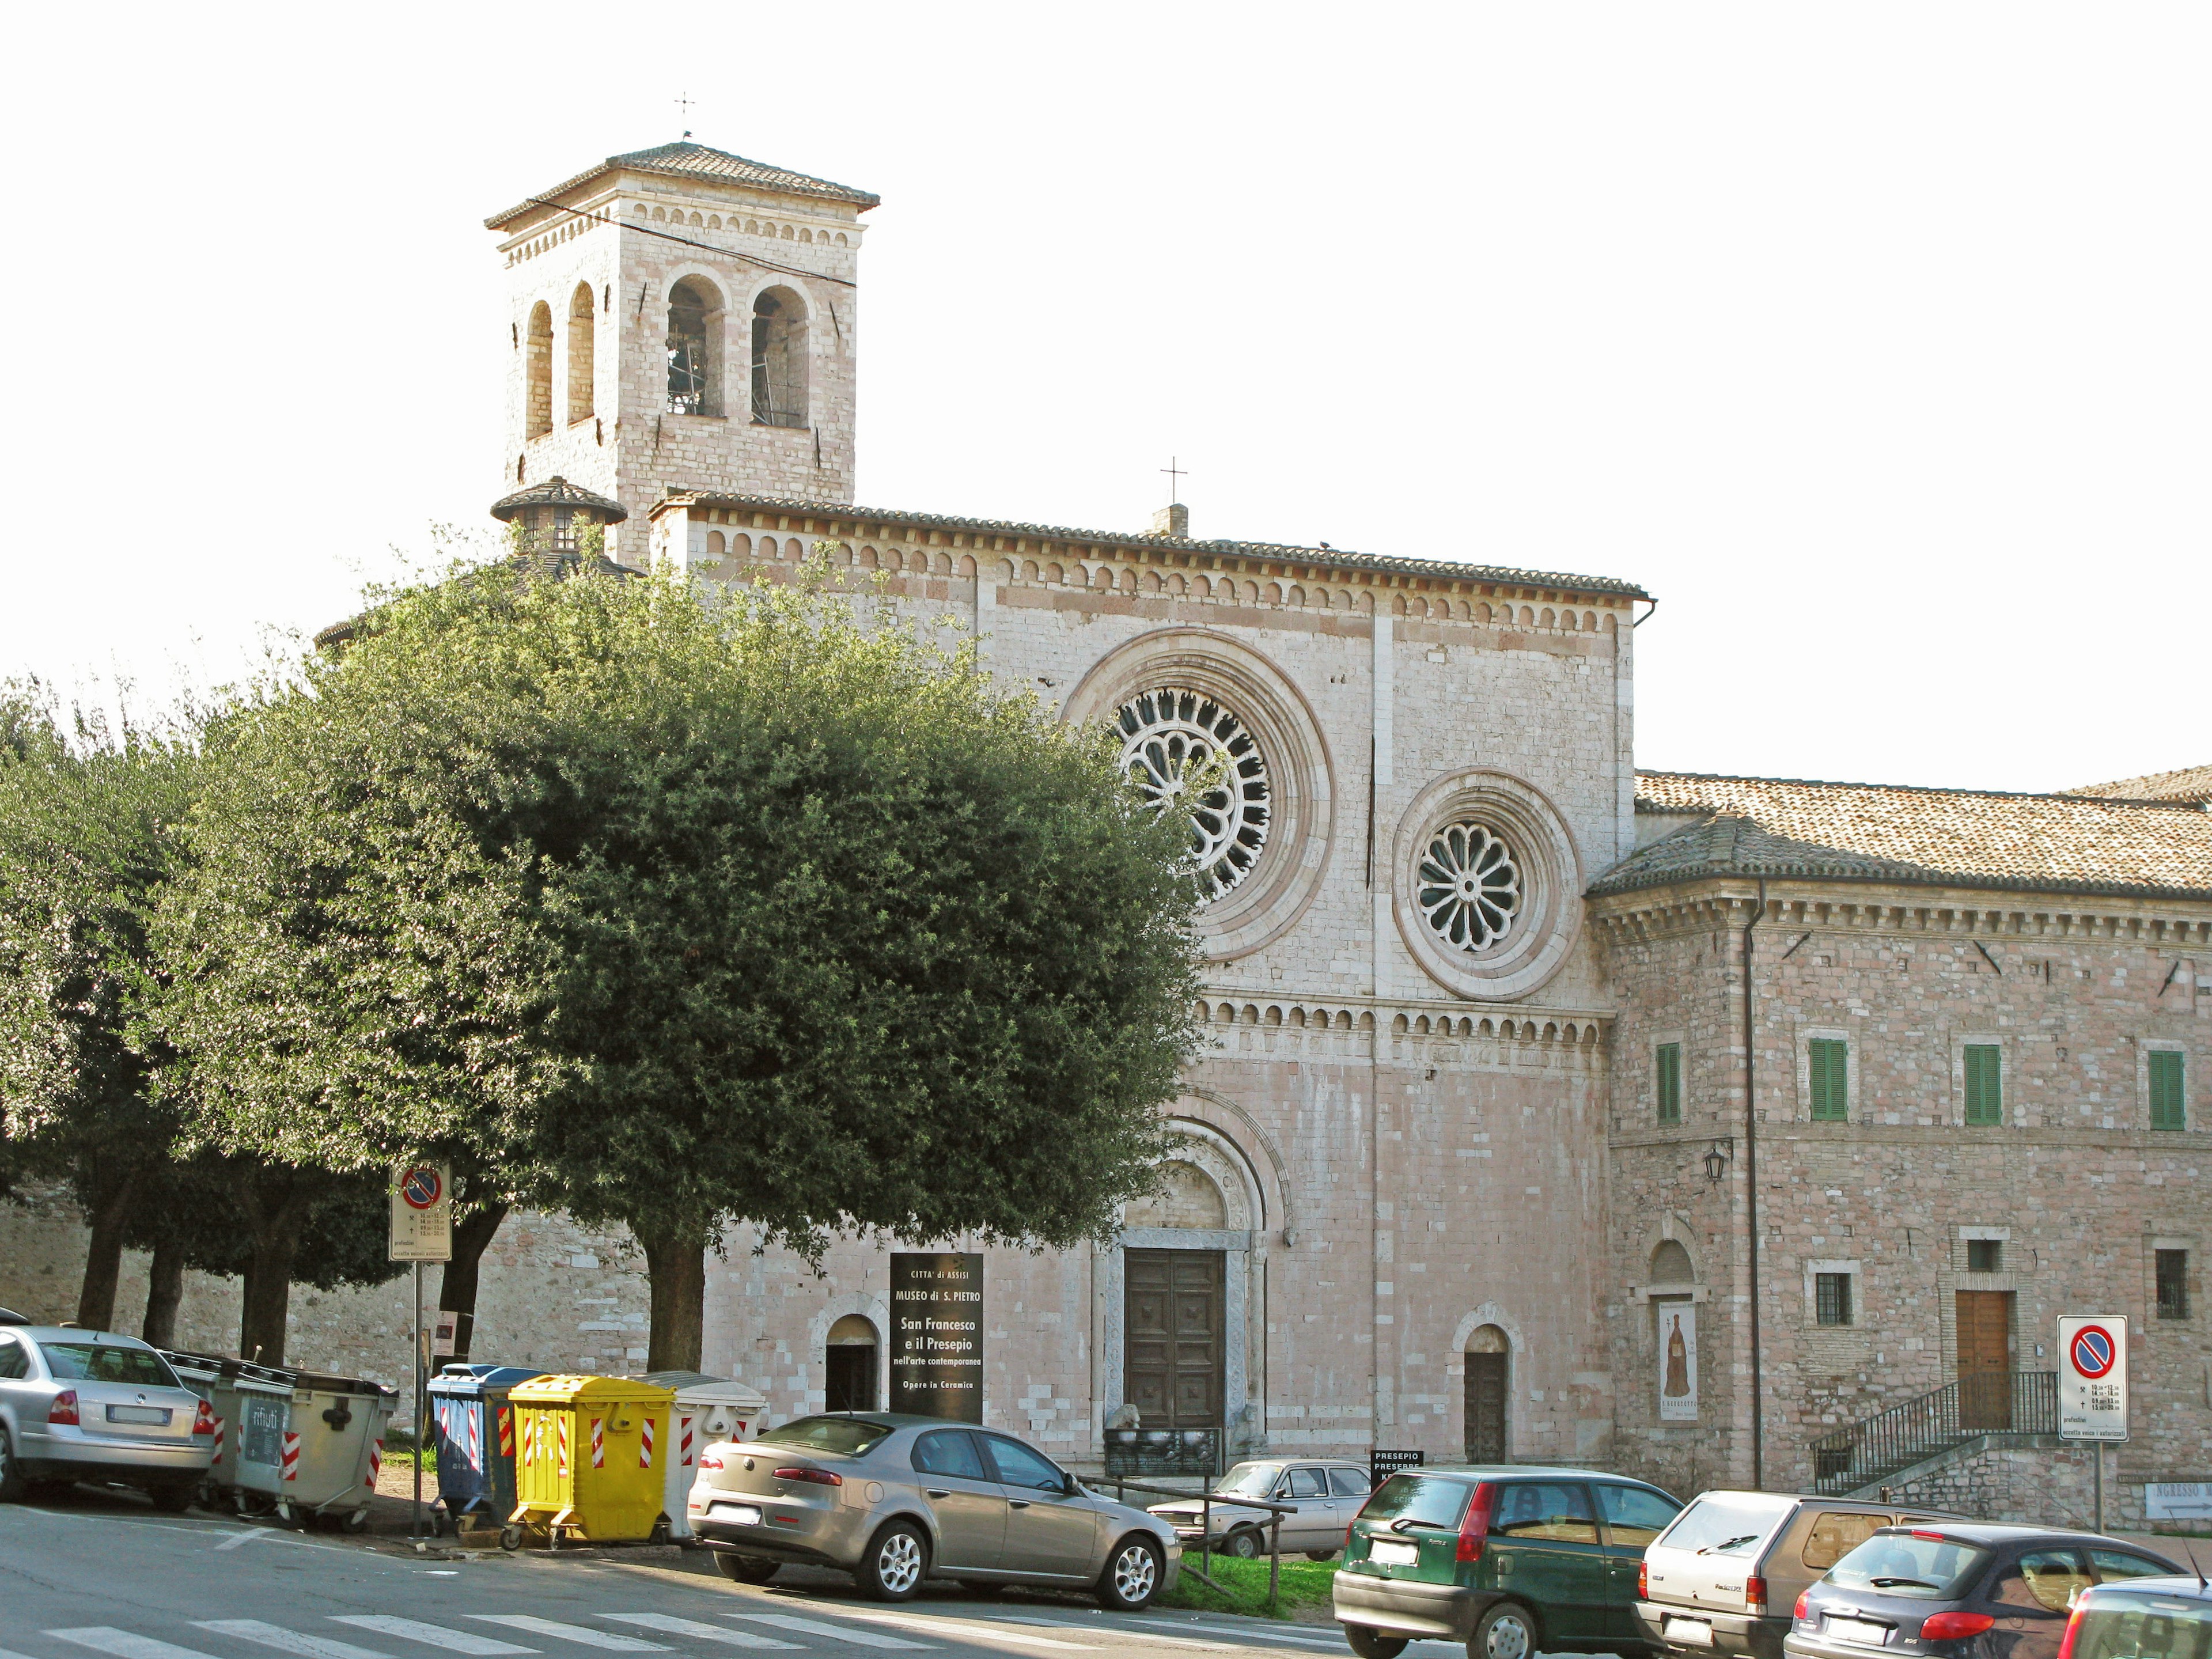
{"x":562,"y":1423}
{"x":599,"y":1443}
{"x":375,"y":1461}
{"x":291,"y":1455}
{"x":684,"y":1442}
{"x":221,"y":1424}
{"x":506,"y":1431}
{"x":644,"y":1442}
{"x":476,"y":1440}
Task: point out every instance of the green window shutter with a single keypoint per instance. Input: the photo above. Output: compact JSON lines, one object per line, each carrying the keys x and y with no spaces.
{"x":1984,"y":1085}
{"x":1670,"y":1082}
{"x":1831,"y":1091}
{"x":2166,"y":1107}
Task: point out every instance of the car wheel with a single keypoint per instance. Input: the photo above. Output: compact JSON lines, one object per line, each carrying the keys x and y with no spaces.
{"x":173,"y":1500}
{"x":1507,"y":1630}
{"x":896,"y":1564}
{"x":1245,"y":1544}
{"x":1321,"y":1555}
{"x":1132,"y":1577}
{"x":12,"y":1485}
{"x":1370,"y":1643}
{"x":746,"y":1569}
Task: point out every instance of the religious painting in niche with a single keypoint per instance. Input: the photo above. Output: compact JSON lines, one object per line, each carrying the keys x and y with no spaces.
{"x":1677,"y":1361}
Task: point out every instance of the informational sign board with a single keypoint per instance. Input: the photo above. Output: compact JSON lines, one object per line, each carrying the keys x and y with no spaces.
{"x":442,"y":1333}
{"x":1381,"y":1464}
{"x":2093,"y":1376}
{"x":937,"y":1334}
{"x":2178,"y":1500}
{"x":422,"y":1213}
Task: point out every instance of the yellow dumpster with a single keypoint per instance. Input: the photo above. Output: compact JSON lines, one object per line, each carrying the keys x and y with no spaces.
{"x":590,"y":1460}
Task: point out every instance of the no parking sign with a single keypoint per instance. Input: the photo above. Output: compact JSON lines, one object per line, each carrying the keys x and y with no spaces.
{"x":2093,"y":1376}
{"x":422,"y":1213}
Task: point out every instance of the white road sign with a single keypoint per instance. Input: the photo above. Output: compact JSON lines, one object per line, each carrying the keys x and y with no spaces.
{"x":422,"y":1213}
{"x":2093,"y":1376}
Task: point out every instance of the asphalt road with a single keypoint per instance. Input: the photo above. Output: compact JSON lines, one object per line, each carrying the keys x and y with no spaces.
{"x":105,"y":1575}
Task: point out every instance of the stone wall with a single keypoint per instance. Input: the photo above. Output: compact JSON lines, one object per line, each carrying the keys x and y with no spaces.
{"x":2074,"y":1190}
{"x":2040,"y":1485}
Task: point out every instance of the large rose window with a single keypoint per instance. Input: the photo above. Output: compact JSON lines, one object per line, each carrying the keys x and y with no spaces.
{"x":1468,"y":887}
{"x":1190,"y":756}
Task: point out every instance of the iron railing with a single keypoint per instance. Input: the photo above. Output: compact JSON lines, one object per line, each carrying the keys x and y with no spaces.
{"x":1978,"y":1404}
{"x":1135,"y":1452}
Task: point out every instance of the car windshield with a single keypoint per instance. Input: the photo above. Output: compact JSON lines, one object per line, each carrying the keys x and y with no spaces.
{"x":103,"y":1362}
{"x":1925,"y":1565}
{"x":2141,"y":1625}
{"x":1725,"y":1523}
{"x":1418,"y":1500}
{"x":1250,"y":1479}
{"x":854,"y":1437}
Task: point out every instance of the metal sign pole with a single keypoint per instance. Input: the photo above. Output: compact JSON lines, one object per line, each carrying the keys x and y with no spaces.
{"x":415,"y":1525}
{"x":2100,"y":1449}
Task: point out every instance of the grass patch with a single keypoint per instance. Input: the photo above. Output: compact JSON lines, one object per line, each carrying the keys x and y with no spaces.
{"x":1244,"y":1586}
{"x":400,"y":1452}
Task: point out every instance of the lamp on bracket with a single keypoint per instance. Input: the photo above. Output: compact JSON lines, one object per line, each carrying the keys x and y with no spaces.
{"x":1717,"y":1158}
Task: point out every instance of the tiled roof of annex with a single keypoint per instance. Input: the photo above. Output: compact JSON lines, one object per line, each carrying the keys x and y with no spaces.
{"x":1894,"y":832}
{"x":686,"y":160}
{"x":2190,"y":783}
{"x":1333,"y":557}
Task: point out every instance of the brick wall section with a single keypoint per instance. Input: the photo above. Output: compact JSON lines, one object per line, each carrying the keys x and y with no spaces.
{"x":2078,"y":1188}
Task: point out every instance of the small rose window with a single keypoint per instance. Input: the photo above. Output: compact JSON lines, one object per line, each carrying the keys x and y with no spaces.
{"x":1188,"y":754}
{"x":1468,"y":887}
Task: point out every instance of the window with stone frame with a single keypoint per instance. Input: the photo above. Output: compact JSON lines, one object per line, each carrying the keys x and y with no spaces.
{"x":1985,"y":1255}
{"x":1984,"y":1064}
{"x":2167,"y":1110}
{"x":1831,"y":1298}
{"x":1828,"y":1065}
{"x":2173,"y":1270}
{"x":1670,"y":1082}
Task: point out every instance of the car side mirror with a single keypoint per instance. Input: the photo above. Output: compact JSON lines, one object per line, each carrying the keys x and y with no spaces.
{"x":1072,"y":1486}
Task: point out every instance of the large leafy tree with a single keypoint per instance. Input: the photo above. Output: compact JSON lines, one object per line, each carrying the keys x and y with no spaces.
{"x":679,"y":913}
{"x":89,"y":817}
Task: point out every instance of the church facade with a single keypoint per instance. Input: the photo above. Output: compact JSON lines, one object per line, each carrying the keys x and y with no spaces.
{"x":1551,"y":1112}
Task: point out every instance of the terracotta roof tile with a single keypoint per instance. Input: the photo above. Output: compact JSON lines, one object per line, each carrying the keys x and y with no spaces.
{"x":2191,"y":783}
{"x":1894,"y":832}
{"x":686,"y":160}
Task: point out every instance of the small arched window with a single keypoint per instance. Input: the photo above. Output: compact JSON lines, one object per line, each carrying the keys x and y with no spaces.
{"x":537,"y":369}
{"x":694,"y":357}
{"x":779,"y":359}
{"x":580,"y":352}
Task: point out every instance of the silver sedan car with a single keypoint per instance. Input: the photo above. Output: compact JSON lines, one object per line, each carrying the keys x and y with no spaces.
{"x":1320,"y":1494}
{"x":78,"y":1405}
{"x":894,"y":1499}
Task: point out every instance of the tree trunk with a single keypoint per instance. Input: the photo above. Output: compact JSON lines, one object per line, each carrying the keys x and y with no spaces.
{"x":676,"y":1263}
{"x":165,"y":1292}
{"x":103,"y":1260}
{"x":261,"y":1325}
{"x":457,"y":1287}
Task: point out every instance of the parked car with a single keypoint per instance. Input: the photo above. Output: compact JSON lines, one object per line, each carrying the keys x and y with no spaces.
{"x":1723,"y":1578}
{"x":9,"y":1316}
{"x":2142,"y":1619}
{"x":78,"y":1405}
{"x":894,"y":1499}
{"x":1970,"y":1589}
{"x":1324,"y":1494}
{"x":1510,"y":1559}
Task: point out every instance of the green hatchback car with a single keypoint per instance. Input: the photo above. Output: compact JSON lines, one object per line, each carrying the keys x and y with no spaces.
{"x":1511,"y":1559}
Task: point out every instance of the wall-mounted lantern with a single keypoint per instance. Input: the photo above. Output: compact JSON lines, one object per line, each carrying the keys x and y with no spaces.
{"x":1716,"y":1160}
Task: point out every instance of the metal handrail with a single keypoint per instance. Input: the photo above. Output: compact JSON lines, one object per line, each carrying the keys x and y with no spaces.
{"x":1206,"y":1500}
{"x":1977,"y":1405}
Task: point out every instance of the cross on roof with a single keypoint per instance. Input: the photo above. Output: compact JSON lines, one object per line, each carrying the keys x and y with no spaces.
{"x":683,"y":101}
{"x":1176,"y":476}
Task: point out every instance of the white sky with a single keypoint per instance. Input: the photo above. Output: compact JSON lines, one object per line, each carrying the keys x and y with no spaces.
{"x":1872,"y":338}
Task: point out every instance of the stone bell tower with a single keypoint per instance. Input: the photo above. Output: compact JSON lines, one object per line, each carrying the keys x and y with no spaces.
{"x":683,"y":318}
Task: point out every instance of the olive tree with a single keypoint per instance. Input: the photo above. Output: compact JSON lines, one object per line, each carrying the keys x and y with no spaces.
{"x":680,"y":911}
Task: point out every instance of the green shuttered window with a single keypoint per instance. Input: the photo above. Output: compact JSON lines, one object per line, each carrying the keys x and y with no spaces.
{"x":1831,"y":1080}
{"x":1984,"y":1085}
{"x":2166,"y":1108}
{"x":1670,"y":1082}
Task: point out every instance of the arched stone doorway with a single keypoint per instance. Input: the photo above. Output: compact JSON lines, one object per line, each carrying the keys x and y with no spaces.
{"x":1488,"y":1383}
{"x":849,"y":1367}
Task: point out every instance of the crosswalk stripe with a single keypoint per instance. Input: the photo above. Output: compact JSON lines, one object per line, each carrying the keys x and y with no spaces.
{"x":287,"y":1641}
{"x":553,"y":1627}
{"x":866,"y":1639}
{"x":433,"y":1636}
{"x":106,"y":1638}
{"x":675,"y":1627}
{"x":978,"y":1630}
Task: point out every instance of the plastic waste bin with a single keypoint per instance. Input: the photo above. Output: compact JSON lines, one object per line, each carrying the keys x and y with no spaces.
{"x":707,"y":1409}
{"x":333,"y":1448}
{"x":472,"y":1426}
{"x":590,"y":1456}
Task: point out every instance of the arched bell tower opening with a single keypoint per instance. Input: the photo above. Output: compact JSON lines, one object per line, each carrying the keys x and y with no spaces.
{"x":695,"y":347}
{"x":779,"y":359}
{"x":538,"y":374}
{"x":582,"y":353}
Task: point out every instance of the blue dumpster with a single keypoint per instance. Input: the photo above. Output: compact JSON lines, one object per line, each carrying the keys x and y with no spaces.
{"x":473,"y":1428}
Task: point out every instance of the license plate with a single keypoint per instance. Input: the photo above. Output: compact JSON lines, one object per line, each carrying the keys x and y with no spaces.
{"x":1858,"y":1632}
{"x":1687,"y":1632}
{"x":1394,"y":1552}
{"x":742,"y":1514}
{"x":138,"y":1414}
